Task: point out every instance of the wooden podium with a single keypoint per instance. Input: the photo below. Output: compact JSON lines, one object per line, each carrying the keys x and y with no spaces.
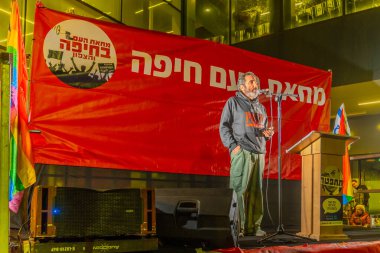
{"x":322,"y":181}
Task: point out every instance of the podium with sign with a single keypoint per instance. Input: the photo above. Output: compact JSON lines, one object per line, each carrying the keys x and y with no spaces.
{"x":322,"y":183}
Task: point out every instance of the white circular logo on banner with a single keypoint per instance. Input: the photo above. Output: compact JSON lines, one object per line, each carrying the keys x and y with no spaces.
{"x":80,"y":54}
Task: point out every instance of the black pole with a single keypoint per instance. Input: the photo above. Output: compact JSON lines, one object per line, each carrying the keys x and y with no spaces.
{"x":280,"y":227}
{"x":279,"y":100}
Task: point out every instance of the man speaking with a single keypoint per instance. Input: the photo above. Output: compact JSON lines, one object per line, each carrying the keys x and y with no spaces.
{"x":244,"y":131}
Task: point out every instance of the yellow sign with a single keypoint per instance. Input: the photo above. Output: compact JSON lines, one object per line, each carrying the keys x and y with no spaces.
{"x":331,"y":205}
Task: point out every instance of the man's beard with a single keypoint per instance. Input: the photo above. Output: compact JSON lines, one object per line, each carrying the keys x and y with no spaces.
{"x":252,"y":94}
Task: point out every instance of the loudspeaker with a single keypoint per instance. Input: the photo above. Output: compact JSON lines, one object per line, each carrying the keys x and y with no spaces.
{"x":65,"y":212}
{"x":199,"y":217}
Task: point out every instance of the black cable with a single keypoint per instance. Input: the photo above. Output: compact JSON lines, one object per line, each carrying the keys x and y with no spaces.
{"x":269,"y":163}
{"x":19,"y":232}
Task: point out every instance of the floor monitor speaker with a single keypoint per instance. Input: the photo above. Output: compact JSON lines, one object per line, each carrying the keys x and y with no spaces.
{"x":66,"y":212}
{"x":199,"y":217}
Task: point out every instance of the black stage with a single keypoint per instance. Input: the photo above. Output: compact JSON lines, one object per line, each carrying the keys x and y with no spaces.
{"x":356,"y":234}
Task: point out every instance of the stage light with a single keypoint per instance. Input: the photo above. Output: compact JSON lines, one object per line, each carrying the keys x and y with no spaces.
{"x":100,"y":17}
{"x":370,"y":103}
{"x":56,"y":211}
{"x":350,"y":115}
{"x":150,"y":7}
{"x":356,"y":114}
{"x":9,"y":13}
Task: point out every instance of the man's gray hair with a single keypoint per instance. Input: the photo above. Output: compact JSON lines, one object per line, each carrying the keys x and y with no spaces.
{"x":241,"y":80}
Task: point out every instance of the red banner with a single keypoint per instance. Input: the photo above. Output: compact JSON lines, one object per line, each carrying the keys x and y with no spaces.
{"x":111,"y":96}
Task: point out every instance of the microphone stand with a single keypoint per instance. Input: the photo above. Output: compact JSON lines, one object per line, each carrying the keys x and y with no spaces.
{"x":280,"y":228}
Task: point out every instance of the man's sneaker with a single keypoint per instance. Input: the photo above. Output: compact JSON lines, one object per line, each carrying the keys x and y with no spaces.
{"x":241,"y":233}
{"x":260,"y":232}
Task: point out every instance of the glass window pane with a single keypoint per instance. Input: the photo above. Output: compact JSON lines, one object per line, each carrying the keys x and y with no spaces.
{"x":109,"y":7}
{"x":360,"y":5}
{"x":302,"y":12}
{"x":158,"y":15}
{"x":68,"y":6}
{"x":367,"y":172}
{"x":208,"y":19}
{"x":77,"y":8}
{"x":251,"y":19}
{"x":5,"y":10}
{"x":134,"y":14}
{"x":166,"y":18}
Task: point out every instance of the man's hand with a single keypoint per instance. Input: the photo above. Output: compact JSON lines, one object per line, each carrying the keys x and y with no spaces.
{"x":268,"y":132}
{"x":236,"y":150}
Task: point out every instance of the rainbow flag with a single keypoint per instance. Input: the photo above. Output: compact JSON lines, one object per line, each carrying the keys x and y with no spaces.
{"x":21,"y":174}
{"x":341,"y":127}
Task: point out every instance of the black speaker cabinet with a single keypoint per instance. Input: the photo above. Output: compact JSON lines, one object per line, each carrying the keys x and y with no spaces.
{"x":64,"y":212}
{"x":199,"y":217}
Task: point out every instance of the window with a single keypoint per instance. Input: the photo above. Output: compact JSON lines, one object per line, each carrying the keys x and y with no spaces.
{"x":5,"y":13}
{"x":208,"y":19}
{"x":5,"y":10}
{"x":302,"y":12}
{"x":110,"y":7}
{"x":360,"y":5}
{"x":163,"y":16}
{"x":159,"y":15}
{"x":366,"y":170}
{"x":251,"y":19}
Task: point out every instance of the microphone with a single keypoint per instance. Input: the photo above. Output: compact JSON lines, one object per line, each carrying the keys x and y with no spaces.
{"x":263,"y":91}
